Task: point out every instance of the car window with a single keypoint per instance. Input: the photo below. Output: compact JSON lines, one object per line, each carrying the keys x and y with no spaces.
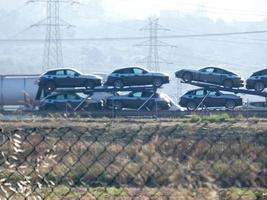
{"x":138,"y":71}
{"x":60,"y":73}
{"x":191,"y":93}
{"x":50,"y":73}
{"x":200,"y":93}
{"x":71,"y":73}
{"x":220,"y":71}
{"x":137,"y":94}
{"x":212,"y":93}
{"x":72,"y":96}
{"x":209,"y":70}
{"x":60,"y":97}
{"x":128,"y":71}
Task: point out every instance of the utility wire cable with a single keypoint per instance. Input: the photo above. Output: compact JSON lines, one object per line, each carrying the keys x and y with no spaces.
{"x":141,"y":37}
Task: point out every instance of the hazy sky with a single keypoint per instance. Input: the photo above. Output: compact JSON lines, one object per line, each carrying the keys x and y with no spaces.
{"x":240,"y":10}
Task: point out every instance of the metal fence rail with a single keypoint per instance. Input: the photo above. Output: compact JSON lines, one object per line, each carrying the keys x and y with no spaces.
{"x":110,"y":161}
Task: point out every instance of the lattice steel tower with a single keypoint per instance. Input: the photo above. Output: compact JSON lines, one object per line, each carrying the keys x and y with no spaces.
{"x":153,"y":59}
{"x":53,"y":56}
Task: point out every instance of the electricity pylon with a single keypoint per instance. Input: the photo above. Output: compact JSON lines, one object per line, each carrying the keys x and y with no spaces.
{"x":153,"y":60}
{"x":53,"y":56}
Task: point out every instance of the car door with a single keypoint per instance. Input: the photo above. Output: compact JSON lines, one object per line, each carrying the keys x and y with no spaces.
{"x":134,"y":100}
{"x":127,"y":76}
{"x":214,"y":99}
{"x":148,"y":96}
{"x":72,"y":101}
{"x":60,"y":102}
{"x":72,"y":78}
{"x":199,"y":95}
{"x":60,"y":78}
{"x":220,"y":75}
{"x":206,"y":75}
{"x":140,"y":77}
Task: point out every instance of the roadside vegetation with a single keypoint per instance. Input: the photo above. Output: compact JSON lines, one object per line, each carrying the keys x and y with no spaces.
{"x":211,"y":157}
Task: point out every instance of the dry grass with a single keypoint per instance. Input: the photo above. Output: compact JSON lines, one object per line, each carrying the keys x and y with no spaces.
{"x":103,"y":159}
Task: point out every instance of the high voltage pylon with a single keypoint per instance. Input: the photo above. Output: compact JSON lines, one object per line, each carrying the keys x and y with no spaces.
{"x":53,"y":56}
{"x":153,"y":60}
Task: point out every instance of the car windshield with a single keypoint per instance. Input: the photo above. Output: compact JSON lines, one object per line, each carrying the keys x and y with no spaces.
{"x":260,"y":73}
{"x":50,"y":73}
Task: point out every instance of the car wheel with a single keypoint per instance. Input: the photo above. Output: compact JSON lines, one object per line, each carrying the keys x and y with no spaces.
{"x":117,"y":105}
{"x":230,"y":104}
{"x":89,"y":84}
{"x":191,"y":106}
{"x":157,"y":82}
{"x":228,"y":84}
{"x":187,"y":77}
{"x":118,"y":84}
{"x":50,"y":87}
{"x":259,"y":86}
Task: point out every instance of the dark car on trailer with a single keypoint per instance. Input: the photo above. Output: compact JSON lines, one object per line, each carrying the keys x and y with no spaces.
{"x":209,"y":98}
{"x":68,"y":78}
{"x":257,"y":81}
{"x":135,"y":76}
{"x":134,"y":100}
{"x":69,"y":102}
{"x":211,"y":75}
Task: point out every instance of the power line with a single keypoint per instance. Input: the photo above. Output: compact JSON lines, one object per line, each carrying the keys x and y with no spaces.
{"x":140,"y":37}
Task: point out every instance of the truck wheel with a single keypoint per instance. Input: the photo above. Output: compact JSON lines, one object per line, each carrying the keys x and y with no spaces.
{"x":230,"y":104}
{"x":187,"y":77}
{"x":191,"y":106}
{"x":259,"y":86}
{"x":228,"y":84}
{"x":118,"y":84}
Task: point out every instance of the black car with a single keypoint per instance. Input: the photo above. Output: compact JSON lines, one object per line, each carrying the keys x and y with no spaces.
{"x":64,"y":78}
{"x":134,"y":100}
{"x":257,"y":81}
{"x":193,"y":98}
{"x":211,"y":75}
{"x":68,"y":102}
{"x":136,"y":76}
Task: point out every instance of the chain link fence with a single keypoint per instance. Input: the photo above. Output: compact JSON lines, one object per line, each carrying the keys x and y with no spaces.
{"x":133,"y":161}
